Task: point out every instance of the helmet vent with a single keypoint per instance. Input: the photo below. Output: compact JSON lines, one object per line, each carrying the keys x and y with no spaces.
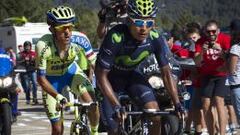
{"x":55,"y":14}
{"x":66,"y":13}
{"x":144,"y":4}
{"x":61,"y":13}
{"x":144,"y":11}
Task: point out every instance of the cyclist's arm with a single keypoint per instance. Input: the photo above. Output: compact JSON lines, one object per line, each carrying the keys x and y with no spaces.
{"x":105,"y":86}
{"x":46,"y":86}
{"x":166,"y":73}
{"x":42,"y":53}
{"x":101,"y":30}
{"x":104,"y":63}
{"x":169,"y":83}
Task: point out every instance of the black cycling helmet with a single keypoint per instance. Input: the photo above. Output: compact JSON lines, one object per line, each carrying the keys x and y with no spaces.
{"x":27,"y":43}
{"x":142,"y":8}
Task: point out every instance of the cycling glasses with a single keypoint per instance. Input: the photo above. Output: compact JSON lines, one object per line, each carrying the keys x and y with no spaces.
{"x":63,"y":27}
{"x":141,"y":23}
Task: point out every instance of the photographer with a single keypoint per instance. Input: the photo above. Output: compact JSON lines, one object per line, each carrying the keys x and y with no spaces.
{"x":27,"y":60}
{"x":113,"y":12}
{"x":210,"y":58}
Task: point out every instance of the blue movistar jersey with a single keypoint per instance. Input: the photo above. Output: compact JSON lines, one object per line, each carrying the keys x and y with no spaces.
{"x":120,"y":51}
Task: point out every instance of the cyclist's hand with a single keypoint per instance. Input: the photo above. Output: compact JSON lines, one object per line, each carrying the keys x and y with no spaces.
{"x":119,"y":113}
{"x":180,"y":110}
{"x":61,"y":100}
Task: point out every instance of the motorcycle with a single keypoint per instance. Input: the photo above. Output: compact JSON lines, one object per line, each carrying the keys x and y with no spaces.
{"x":7,"y":87}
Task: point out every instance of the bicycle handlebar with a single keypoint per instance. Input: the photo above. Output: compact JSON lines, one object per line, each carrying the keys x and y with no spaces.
{"x":80,"y":104}
{"x":150,"y":113}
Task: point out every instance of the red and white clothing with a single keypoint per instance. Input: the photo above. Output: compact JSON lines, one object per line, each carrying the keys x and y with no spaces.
{"x":212,"y":59}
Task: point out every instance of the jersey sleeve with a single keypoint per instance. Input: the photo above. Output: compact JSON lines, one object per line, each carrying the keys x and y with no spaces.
{"x":109,"y":49}
{"x":83,"y":41}
{"x":159,"y":51}
{"x":42,"y":51}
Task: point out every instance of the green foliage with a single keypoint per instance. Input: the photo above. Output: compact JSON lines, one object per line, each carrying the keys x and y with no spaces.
{"x":87,"y":23}
{"x":172,"y":13}
{"x":33,"y":10}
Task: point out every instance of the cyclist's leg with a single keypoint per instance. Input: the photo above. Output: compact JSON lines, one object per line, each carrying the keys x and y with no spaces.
{"x":58,"y":82}
{"x":53,"y":115}
{"x":143,"y":94}
{"x":82,"y":87}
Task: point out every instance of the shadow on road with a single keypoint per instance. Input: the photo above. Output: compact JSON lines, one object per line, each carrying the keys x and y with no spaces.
{"x":33,"y":109}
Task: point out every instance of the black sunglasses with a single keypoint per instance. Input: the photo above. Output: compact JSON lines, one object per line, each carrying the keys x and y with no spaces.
{"x":211,"y":31}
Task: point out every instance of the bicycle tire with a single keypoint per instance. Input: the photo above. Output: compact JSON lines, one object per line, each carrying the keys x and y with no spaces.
{"x":170,"y":125}
{"x":73,"y":128}
{"x":6,"y":119}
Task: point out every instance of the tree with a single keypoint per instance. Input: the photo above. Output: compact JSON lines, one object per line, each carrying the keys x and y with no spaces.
{"x":33,"y":10}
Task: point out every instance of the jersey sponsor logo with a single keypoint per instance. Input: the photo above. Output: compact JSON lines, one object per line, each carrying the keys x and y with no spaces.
{"x":61,"y":66}
{"x":117,"y":38}
{"x":127,"y":60}
{"x":82,"y":41}
{"x":151,"y":68}
{"x":43,"y":51}
{"x":154,"y":34}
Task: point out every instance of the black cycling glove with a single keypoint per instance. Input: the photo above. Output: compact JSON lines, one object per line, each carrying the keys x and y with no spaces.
{"x":118,"y":112}
{"x":179,"y":108}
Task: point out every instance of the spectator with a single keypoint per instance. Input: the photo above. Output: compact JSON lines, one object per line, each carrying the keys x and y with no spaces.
{"x":27,"y":59}
{"x":234,"y":66}
{"x":111,"y":14}
{"x":20,"y":48}
{"x":210,"y":54}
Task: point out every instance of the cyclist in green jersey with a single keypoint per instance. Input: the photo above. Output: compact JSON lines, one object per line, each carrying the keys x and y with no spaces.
{"x":57,"y":68}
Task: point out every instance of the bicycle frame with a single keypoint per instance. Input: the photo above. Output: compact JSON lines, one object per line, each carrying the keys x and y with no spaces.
{"x":143,"y":123}
{"x":80,"y":122}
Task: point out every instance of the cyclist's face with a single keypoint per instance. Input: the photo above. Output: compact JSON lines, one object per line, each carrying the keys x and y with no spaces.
{"x":140,"y":28}
{"x":63,"y":34}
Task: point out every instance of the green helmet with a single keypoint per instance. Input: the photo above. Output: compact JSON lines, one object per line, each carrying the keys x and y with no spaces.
{"x":142,"y":8}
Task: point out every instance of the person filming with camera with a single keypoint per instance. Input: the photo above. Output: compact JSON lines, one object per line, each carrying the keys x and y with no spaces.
{"x":210,"y":56}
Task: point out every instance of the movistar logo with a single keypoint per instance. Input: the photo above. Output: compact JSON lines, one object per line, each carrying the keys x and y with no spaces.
{"x":117,"y":38}
{"x":128,"y":61}
{"x":154,"y":34}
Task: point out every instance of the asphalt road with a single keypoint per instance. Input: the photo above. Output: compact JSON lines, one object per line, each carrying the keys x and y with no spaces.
{"x":34,"y":121}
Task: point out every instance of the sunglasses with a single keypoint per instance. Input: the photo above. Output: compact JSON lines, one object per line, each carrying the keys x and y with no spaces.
{"x":141,"y":23}
{"x":64,"y":27}
{"x":211,"y":31}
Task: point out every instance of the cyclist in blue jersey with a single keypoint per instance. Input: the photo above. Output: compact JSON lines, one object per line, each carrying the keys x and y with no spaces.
{"x":57,"y":68}
{"x":123,"y":48}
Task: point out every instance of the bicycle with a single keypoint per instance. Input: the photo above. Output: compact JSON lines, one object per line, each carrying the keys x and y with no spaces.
{"x":141,"y":126}
{"x":137,"y":122}
{"x":80,"y":124}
